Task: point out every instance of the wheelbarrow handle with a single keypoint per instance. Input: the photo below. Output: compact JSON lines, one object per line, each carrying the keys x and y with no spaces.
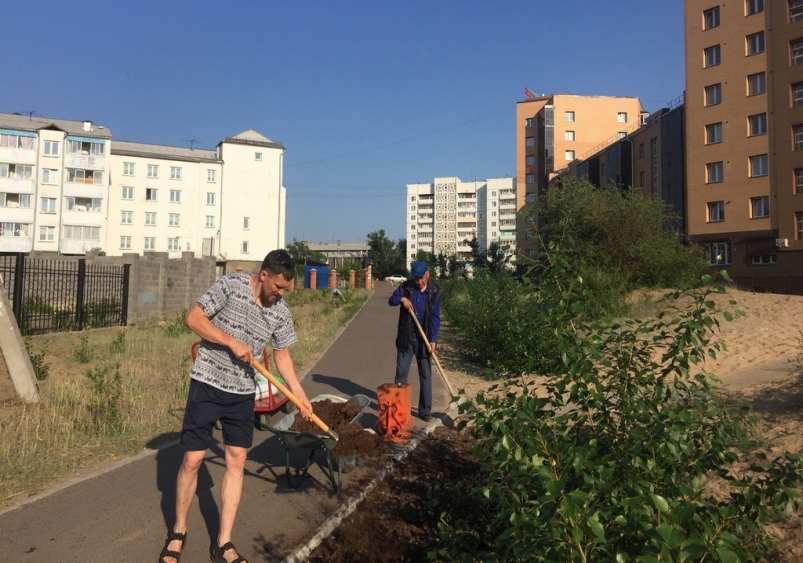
{"x":286,"y":392}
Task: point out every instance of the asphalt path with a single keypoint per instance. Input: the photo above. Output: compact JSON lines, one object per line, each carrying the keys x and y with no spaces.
{"x":123,"y":513}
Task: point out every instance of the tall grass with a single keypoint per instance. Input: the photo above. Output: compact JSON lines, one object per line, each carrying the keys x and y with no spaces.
{"x":43,"y":443}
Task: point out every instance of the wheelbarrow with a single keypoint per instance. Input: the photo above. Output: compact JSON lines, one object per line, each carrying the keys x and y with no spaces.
{"x":334,"y":469}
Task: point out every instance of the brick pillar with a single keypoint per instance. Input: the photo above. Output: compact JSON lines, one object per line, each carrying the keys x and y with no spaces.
{"x":292,"y":285}
{"x":313,"y":278}
{"x":352,"y":280}
{"x":368,"y":278}
{"x":332,"y":279}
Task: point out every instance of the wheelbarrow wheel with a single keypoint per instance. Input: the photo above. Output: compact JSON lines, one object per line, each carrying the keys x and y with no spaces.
{"x":347,"y":463}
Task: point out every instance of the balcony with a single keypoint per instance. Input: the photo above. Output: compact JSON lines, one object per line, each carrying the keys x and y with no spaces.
{"x":16,"y":185}
{"x":91,"y":161}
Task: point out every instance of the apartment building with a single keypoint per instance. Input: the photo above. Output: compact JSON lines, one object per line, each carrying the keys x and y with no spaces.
{"x":554,"y":130}
{"x":442,"y":216}
{"x":744,"y":137}
{"x":66,"y":187}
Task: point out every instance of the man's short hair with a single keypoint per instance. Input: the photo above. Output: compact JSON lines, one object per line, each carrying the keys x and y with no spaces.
{"x":279,"y":262}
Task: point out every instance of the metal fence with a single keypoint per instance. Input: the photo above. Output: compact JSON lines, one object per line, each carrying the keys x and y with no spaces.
{"x":61,"y":295}
{"x":787,"y":285}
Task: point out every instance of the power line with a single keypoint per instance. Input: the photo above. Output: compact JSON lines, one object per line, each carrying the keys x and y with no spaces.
{"x":320,"y":187}
{"x":398,"y":142}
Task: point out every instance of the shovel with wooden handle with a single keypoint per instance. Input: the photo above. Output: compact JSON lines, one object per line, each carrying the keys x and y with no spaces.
{"x":429,"y":347}
{"x":293,"y":399}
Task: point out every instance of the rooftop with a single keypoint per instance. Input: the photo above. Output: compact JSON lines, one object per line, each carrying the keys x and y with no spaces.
{"x":127,"y":148}
{"x":37,"y":122}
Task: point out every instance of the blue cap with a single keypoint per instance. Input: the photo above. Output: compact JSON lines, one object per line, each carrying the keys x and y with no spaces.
{"x":419,"y":269}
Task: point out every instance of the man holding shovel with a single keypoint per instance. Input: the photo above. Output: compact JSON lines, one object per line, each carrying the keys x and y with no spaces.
{"x":422,"y":298}
{"x":235,"y":318}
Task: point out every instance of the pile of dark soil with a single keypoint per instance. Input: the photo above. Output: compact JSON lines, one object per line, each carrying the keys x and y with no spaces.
{"x":354,"y":440}
{"x":396,"y":523}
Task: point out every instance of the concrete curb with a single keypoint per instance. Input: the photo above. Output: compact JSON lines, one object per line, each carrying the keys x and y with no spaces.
{"x":331,"y":523}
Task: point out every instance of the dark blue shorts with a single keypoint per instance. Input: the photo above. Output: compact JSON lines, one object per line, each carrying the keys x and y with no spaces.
{"x":205,"y":406}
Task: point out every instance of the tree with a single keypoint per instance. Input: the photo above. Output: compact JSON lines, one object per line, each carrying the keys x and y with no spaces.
{"x":300,"y":252}
{"x":387,"y":257}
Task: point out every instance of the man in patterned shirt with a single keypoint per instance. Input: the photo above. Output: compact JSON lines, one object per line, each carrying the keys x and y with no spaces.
{"x":235,"y":318}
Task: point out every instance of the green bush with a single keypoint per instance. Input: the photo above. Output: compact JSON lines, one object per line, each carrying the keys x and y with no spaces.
{"x":105,"y":405}
{"x":174,"y":326}
{"x":41,"y":370}
{"x":118,"y":344}
{"x":614,"y":462}
{"x":84,"y":352}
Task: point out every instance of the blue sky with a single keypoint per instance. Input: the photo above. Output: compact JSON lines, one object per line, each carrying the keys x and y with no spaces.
{"x":367,"y":96}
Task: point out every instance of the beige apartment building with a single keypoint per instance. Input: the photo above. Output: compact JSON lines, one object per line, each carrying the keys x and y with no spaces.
{"x":552,"y":131}
{"x":744,"y":137}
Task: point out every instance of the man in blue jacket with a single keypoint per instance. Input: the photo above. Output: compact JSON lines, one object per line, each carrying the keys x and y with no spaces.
{"x":423,"y":298}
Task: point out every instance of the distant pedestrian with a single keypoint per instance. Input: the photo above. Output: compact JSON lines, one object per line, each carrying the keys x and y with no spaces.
{"x":337,"y":294}
{"x":235,"y":318}
{"x":423,"y":298}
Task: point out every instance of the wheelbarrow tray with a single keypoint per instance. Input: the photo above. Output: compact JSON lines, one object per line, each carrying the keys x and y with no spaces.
{"x":314,"y":442}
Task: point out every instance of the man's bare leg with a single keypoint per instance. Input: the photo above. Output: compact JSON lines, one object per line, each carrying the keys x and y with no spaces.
{"x":186,"y":483}
{"x":230,"y":494}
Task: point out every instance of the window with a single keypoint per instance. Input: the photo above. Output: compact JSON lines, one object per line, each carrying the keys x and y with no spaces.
{"x":755,"y":44}
{"x":150,"y":218}
{"x":799,"y":221}
{"x":713,"y":133}
{"x":50,"y":176}
{"x":756,"y":84}
{"x":641,"y":150}
{"x":246,"y":223}
{"x":641,"y":179}
{"x":128,"y":169}
{"x":210,"y":198}
{"x":711,"y":18}
{"x":713,"y":94}
{"x":17,"y":142}
{"x":85,"y":176}
{"x":86,"y":204}
{"x":798,"y":180}
{"x":569,"y":135}
{"x":173,"y":244}
{"x":621,"y":135}
{"x":713,"y":172}
{"x":412,"y":208}
{"x":758,"y":166}
{"x":81,"y":232}
{"x":151,"y":194}
{"x":529,"y":160}
{"x":529,"y":122}
{"x":210,"y":175}
{"x":51,"y":148}
{"x":797,"y":137}
{"x":621,"y":117}
{"x":569,"y":116}
{"x":175,"y":196}
{"x":128,"y":193}
{"x":530,"y":178}
{"x":569,"y":155}
{"x":244,"y":247}
{"x":718,"y":253}
{"x":15,"y":229}
{"x":150,"y":243}
{"x":257,"y":156}
{"x":84,"y":147}
{"x":530,"y":198}
{"x":753,"y":7}
{"x":153,"y":171}
{"x":210,"y":221}
{"x":126,"y":217}
{"x":125,"y":242}
{"x":175,"y":173}
{"x":796,"y":52}
{"x":48,"y":205}
{"x":22,"y":201}
{"x":711,"y":56}
{"x":16,"y":171}
{"x":795,"y":10}
{"x":760,"y":207}
{"x":174,"y":220}
{"x":716,"y":211}
{"x":764,"y":259}
{"x":757,"y":125}
{"x":529,"y":142}
{"x":412,"y":217}
{"x":47,"y":234}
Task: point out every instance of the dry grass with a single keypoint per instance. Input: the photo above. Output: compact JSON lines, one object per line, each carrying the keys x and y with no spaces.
{"x":41,"y":444}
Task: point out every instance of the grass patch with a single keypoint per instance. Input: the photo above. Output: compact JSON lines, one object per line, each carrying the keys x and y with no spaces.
{"x":129,"y":394}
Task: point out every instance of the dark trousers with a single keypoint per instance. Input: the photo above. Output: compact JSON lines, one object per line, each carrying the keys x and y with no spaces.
{"x":404,"y":358}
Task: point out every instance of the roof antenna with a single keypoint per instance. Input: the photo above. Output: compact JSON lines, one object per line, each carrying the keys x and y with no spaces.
{"x":30,"y":115}
{"x":191,"y":142}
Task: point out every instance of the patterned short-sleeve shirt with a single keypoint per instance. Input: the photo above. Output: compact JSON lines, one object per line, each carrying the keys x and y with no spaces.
{"x":231,"y":306}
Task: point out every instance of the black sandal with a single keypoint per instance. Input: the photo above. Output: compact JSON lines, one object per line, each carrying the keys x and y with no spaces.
{"x":173,"y":536}
{"x":216,"y":553}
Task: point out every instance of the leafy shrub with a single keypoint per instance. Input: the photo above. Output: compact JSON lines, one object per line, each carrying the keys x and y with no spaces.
{"x":118,"y":344}
{"x":84,"y":352}
{"x":105,"y":405}
{"x":617,"y":460}
{"x":174,"y":326}
{"x":41,"y":370}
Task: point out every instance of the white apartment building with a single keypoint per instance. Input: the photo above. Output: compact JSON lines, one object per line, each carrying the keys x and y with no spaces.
{"x":66,"y":187}
{"x":444,"y":215}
